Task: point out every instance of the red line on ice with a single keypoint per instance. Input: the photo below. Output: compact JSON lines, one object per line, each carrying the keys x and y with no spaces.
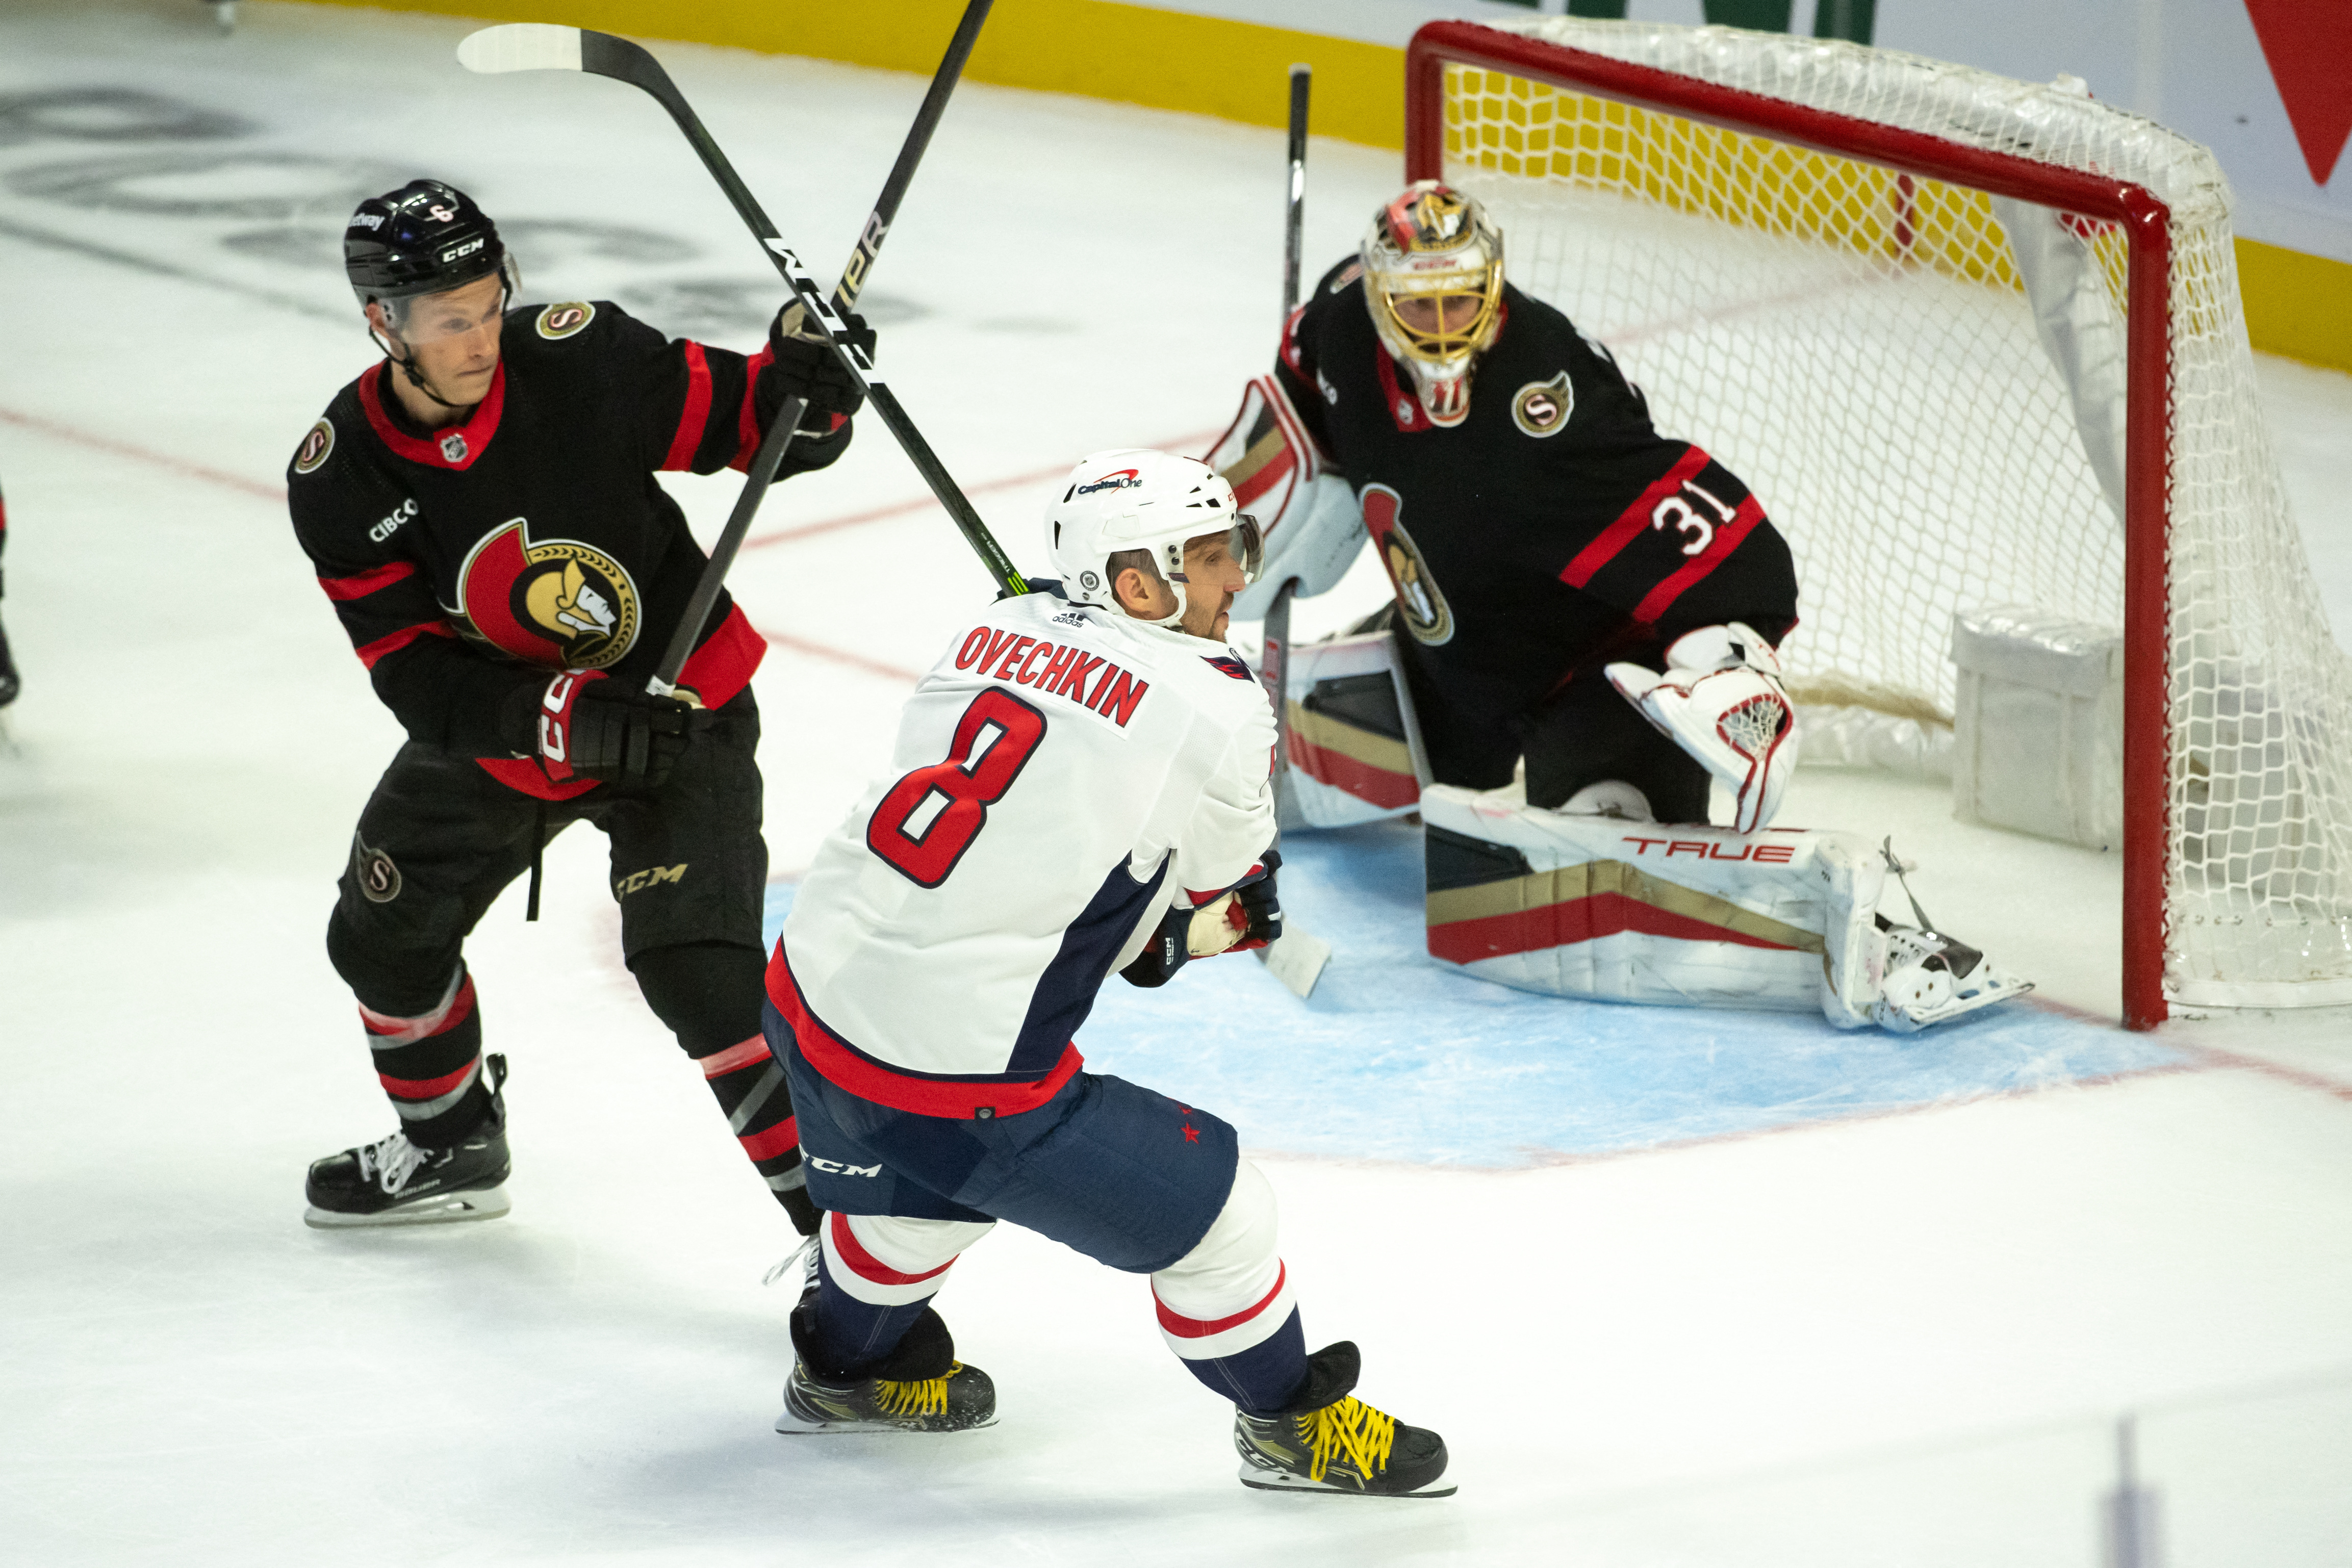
{"x":180,"y":465}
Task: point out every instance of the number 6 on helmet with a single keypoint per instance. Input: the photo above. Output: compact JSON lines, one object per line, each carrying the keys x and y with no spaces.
{"x":1722,"y":701}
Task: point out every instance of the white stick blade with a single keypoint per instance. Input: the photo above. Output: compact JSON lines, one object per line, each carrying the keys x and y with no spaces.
{"x":1296,"y":961}
{"x":520,"y":46}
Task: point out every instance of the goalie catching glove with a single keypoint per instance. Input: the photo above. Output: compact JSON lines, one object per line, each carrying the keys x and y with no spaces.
{"x":583,"y":725}
{"x":1244,"y":916}
{"x":1722,"y":701}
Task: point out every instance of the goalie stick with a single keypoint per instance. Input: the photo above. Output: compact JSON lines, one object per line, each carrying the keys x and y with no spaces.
{"x":526,"y":45}
{"x":1296,"y":960}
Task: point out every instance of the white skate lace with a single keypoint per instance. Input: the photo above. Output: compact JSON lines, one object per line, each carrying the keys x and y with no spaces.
{"x":390,"y":1162}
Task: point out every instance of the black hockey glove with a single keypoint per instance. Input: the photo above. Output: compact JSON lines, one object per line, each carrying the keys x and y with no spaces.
{"x":807,"y":366}
{"x":586,"y":726}
{"x":1244,"y":916}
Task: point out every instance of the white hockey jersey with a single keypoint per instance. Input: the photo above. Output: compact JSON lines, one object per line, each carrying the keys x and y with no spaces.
{"x":1062,"y":777}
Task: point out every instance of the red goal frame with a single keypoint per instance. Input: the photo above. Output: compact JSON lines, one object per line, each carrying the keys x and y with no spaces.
{"x":2147,"y":226}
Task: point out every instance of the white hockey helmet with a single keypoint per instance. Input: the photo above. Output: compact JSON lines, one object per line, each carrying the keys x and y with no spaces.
{"x":1434,"y":240}
{"x":1131,"y":497}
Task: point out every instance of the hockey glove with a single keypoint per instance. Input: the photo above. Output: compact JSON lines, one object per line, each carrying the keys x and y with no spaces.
{"x":589,"y":728}
{"x":1721,"y":699}
{"x":807,"y":366}
{"x":1245,"y":916}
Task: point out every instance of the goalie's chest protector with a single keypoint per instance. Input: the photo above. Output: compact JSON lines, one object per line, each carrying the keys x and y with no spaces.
{"x":1057,"y":776}
{"x":1506,"y":537}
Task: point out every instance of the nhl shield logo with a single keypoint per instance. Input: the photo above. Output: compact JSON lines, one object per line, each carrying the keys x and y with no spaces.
{"x":1541,"y":408}
{"x":316,"y":448}
{"x":453,"y":448}
{"x":1420,"y":600}
{"x":560,"y":604}
{"x":562,"y":320}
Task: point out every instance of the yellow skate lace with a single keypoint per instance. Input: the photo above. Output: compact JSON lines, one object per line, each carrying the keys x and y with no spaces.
{"x":924,"y":1396}
{"x":1351,"y":1430}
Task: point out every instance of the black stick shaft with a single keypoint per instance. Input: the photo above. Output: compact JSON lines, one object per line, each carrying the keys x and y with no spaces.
{"x":1295,"y":205}
{"x":603,"y":55}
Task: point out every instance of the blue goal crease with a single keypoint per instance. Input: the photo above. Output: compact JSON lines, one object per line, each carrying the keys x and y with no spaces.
{"x":1399,"y":1057}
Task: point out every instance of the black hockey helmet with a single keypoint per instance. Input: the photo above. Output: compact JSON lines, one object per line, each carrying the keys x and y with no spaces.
{"x":423,"y":238}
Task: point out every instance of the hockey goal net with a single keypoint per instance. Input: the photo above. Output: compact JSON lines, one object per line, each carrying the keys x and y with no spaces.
{"x":1796,"y":247}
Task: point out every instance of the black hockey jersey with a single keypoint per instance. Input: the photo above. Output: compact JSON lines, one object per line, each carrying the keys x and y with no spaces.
{"x":468,"y":561}
{"x":1552,"y":528}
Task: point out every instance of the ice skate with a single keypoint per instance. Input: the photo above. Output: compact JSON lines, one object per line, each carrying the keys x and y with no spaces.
{"x":395,"y":1182}
{"x":1337,"y":1443}
{"x":932,"y":1391}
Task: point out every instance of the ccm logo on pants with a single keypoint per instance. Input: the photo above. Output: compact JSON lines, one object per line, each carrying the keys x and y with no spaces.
{"x":834,"y":1167}
{"x":653,"y":876}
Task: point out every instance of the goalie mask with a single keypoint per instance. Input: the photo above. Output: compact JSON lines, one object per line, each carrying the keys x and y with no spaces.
{"x":1434,"y":283}
{"x":1132,"y":498}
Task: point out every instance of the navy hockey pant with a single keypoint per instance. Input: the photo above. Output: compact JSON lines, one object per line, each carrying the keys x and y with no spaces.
{"x":440,"y":838}
{"x":1126,"y":1176}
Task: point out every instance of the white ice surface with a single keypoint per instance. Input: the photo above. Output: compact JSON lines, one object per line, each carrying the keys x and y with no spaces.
{"x":1893,"y":1339}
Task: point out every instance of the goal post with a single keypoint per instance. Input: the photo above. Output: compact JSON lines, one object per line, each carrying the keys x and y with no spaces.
{"x":1864,"y":327}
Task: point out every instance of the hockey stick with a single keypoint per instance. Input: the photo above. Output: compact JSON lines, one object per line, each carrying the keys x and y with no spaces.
{"x":539,"y":47}
{"x":1297,"y":959}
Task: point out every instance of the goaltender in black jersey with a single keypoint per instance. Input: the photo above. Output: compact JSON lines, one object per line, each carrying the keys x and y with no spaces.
{"x":481,"y":508}
{"x":1537,"y":529}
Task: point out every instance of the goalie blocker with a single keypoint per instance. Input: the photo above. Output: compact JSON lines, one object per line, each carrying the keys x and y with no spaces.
{"x":1617,"y":909}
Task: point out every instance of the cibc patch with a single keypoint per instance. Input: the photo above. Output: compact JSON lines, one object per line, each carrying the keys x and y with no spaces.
{"x":316,"y":448}
{"x":379,"y":879}
{"x":564,"y":318}
{"x":1541,"y":408}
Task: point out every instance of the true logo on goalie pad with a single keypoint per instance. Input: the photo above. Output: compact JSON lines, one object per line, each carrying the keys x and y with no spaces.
{"x":1541,"y":408}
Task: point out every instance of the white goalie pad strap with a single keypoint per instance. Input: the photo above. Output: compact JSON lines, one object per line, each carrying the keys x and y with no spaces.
{"x":1722,"y":701}
{"x":886,"y":1261}
{"x":1924,"y":986}
{"x":1231,"y":1293}
{"x":1613,"y":910}
{"x":1354,"y":745}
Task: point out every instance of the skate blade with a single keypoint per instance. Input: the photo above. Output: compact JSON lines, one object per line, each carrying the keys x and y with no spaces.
{"x":1258,"y":1480}
{"x":442,"y":1208}
{"x":792,"y":1426}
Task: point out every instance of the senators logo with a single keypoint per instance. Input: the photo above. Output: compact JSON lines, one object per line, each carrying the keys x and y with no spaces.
{"x":560,"y":321}
{"x":1419,"y":600}
{"x":316,"y":448}
{"x":561,"y":604}
{"x":1541,"y":408}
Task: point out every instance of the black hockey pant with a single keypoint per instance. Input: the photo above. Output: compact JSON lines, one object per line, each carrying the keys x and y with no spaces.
{"x":440,"y":838}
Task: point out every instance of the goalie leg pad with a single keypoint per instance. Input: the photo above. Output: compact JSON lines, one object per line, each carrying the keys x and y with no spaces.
{"x":1310,"y":519}
{"x":1721,"y":700}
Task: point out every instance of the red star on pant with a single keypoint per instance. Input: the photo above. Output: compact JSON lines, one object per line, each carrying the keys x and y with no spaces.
{"x":1191,"y":1134}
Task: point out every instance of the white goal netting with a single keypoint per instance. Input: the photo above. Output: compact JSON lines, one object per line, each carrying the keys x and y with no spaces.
{"x":1856,"y":344}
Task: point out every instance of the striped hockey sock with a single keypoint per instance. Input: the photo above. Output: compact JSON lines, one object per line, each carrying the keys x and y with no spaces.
{"x":431,"y":1065}
{"x":750,"y":1086}
{"x":874,"y":1277}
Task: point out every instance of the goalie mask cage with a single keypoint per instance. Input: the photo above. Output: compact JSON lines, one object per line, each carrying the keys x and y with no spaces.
{"x":1791,"y":245}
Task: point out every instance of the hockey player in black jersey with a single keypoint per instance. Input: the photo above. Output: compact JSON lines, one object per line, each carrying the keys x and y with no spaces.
{"x":1536,"y":528}
{"x":1574,"y":591}
{"x":480,"y":507}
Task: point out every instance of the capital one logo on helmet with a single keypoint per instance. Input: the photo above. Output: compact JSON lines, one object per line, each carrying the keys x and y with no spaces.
{"x":1125,"y":479}
{"x":557,"y":603}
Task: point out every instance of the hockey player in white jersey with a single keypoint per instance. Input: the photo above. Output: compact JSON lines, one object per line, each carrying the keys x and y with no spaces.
{"x":1080,"y":786}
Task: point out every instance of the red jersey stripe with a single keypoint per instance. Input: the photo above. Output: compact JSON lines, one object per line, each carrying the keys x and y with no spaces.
{"x":372,"y":653}
{"x":695,"y":417}
{"x":1606,"y":546}
{"x":747,"y":418}
{"x":869,"y":1268}
{"x":1660,"y":599}
{"x":1182,"y":1327}
{"x":360,"y":584}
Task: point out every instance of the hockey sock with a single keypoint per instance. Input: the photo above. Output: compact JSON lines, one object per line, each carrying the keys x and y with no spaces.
{"x":1225,"y":1307}
{"x":430,"y":1064}
{"x":874,"y":1277}
{"x":708,"y":993}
